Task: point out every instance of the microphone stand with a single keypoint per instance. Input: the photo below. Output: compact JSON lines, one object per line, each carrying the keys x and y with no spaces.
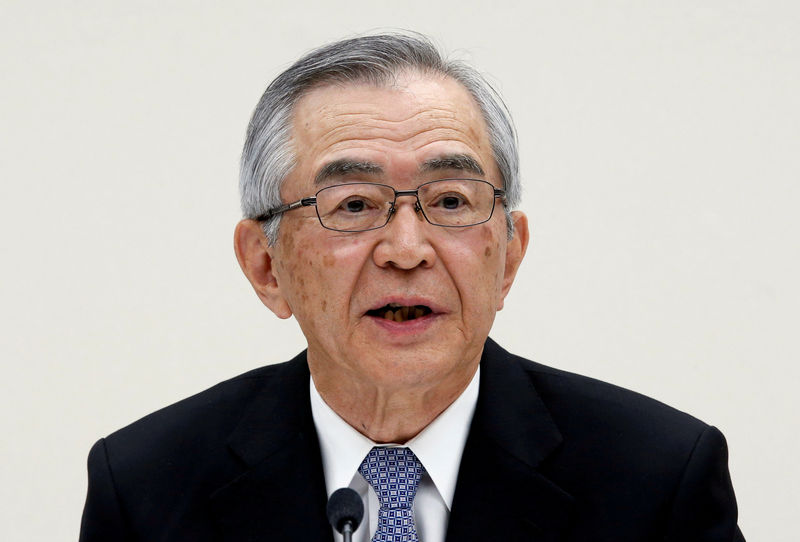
{"x":347,"y":532}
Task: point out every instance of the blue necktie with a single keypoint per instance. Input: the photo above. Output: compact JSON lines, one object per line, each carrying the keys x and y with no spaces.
{"x":394,"y":474}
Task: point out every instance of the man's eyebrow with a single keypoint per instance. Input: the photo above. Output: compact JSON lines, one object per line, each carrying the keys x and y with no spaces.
{"x":345,"y":166}
{"x":463,"y":162}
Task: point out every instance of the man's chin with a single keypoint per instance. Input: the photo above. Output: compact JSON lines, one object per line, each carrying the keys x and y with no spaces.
{"x":417,"y":367}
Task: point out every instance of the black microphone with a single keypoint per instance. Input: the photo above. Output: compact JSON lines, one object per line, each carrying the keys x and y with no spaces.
{"x":345,"y":512}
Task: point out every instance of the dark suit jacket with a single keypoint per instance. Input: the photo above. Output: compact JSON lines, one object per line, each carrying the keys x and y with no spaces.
{"x":550,"y":456}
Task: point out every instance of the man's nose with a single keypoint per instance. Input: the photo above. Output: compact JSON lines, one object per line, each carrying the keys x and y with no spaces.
{"x":405,"y":242}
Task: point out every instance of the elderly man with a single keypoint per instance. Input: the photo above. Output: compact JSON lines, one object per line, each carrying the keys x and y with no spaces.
{"x":377,"y":183}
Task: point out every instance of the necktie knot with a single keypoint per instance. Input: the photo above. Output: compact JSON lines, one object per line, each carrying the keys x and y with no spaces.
{"x":394,"y":474}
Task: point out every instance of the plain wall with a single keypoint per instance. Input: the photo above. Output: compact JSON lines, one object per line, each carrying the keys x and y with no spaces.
{"x":660,"y":150}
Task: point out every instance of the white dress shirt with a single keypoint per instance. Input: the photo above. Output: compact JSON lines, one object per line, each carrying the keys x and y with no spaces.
{"x":438,"y":447}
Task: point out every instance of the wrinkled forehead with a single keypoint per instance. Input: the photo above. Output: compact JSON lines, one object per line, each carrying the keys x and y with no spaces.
{"x":428,"y":91}
{"x":413,"y":116}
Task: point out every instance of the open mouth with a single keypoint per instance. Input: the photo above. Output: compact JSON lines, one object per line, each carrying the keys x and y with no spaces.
{"x":400,"y":313}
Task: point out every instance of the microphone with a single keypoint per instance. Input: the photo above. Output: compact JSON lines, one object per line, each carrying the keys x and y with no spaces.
{"x":345,"y":512}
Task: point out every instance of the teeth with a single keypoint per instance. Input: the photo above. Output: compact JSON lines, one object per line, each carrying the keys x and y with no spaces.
{"x":399,"y":313}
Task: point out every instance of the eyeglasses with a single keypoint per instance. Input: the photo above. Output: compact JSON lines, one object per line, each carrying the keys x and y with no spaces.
{"x":354,"y":207}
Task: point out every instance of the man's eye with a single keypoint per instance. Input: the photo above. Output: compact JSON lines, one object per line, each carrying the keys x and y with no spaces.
{"x":450,"y":202}
{"x":354,"y":205}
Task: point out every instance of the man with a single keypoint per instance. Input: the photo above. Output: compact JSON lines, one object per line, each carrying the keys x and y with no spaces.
{"x":377,"y":183}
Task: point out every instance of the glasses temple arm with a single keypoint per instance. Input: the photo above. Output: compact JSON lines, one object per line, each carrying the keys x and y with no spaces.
{"x":275,"y":211}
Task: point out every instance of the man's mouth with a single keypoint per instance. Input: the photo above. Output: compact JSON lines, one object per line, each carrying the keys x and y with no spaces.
{"x":400,"y":313}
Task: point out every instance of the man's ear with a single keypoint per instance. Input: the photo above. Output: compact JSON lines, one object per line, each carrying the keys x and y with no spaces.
{"x":515,"y":251}
{"x":256,"y":260}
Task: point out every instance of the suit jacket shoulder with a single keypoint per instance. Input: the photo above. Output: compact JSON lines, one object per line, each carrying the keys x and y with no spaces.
{"x":607,"y":413}
{"x":198,"y":423}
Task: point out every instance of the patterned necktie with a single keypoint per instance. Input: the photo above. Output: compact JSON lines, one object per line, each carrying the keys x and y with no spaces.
{"x":394,"y":474}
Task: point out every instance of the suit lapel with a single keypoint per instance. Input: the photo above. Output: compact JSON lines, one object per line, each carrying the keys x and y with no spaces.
{"x":280,"y":493}
{"x":501,"y":493}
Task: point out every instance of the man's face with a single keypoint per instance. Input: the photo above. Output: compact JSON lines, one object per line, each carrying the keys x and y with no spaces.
{"x":338,"y":285}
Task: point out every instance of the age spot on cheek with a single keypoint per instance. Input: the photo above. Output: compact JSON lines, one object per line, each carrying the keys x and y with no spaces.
{"x":487,"y":252}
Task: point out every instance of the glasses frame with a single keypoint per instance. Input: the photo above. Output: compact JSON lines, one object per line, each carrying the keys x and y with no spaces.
{"x":312,"y":202}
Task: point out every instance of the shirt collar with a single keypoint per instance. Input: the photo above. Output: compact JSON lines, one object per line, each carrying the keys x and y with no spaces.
{"x":439,"y":446}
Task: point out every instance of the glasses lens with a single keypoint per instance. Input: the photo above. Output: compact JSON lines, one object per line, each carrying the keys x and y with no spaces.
{"x":354,"y":206}
{"x":457,"y":202}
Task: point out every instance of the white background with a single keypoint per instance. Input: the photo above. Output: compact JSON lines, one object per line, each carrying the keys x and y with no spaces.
{"x":661,"y":157}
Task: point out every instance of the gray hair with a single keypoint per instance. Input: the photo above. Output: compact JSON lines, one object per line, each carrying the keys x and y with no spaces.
{"x":268,"y":157}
